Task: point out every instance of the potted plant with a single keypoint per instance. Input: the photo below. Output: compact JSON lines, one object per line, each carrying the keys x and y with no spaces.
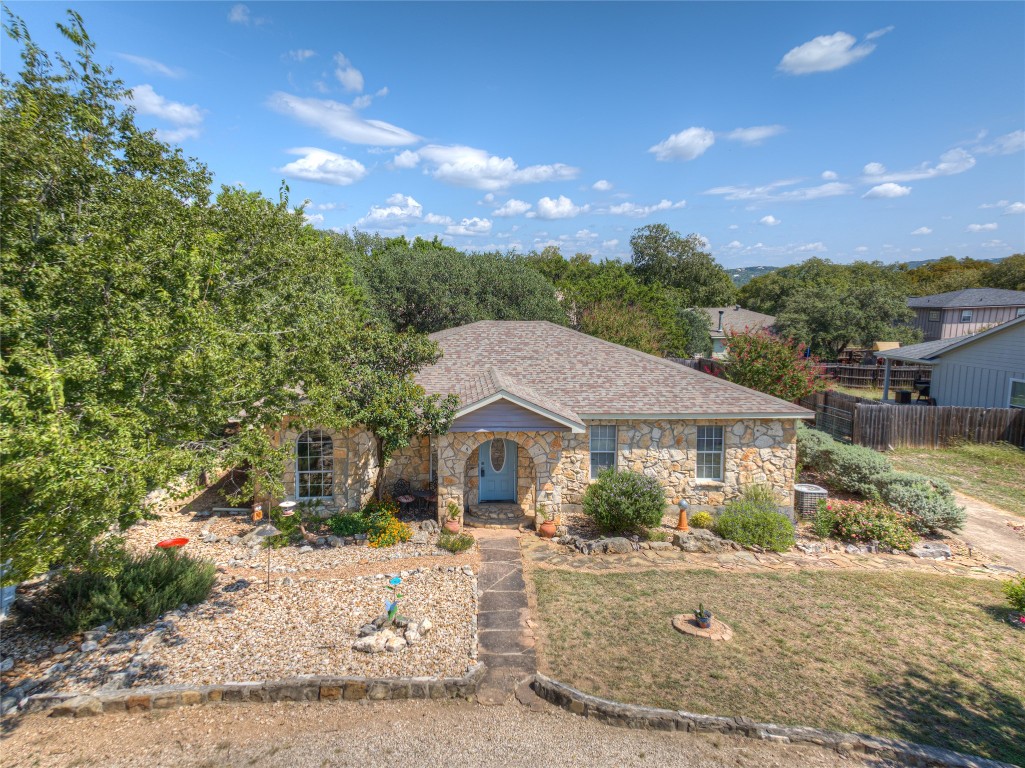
{"x":703,"y":617}
{"x":452,"y":524}
{"x":547,"y":518}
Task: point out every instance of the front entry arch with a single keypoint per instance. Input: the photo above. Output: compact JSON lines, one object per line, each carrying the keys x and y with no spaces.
{"x":496,"y":469}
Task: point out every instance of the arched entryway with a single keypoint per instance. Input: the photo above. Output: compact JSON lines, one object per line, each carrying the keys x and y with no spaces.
{"x":499,"y":480}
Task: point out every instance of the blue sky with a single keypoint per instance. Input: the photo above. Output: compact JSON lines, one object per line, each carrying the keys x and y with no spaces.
{"x":777,"y":131}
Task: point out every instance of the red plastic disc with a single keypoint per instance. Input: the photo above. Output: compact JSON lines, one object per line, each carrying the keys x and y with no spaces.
{"x":172,"y":543}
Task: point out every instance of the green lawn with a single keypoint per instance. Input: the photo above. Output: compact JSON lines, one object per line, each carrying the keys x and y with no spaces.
{"x":993,"y":472}
{"x":914,"y":656}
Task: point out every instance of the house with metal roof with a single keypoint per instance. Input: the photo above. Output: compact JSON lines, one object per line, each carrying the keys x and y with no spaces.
{"x":980,"y":370}
{"x":722,"y":320}
{"x":543,"y":409}
{"x":959,"y":313}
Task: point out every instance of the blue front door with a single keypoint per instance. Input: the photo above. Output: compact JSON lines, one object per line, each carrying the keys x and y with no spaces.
{"x":496,"y":464}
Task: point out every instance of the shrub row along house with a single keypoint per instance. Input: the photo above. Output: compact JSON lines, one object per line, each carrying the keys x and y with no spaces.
{"x":543,"y":409}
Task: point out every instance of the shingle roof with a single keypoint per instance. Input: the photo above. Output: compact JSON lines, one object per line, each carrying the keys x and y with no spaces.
{"x":736,"y":318}
{"x":579,"y":376}
{"x":930,"y":350}
{"x":970,"y":297}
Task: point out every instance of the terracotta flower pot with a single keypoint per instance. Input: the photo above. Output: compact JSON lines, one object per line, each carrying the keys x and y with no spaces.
{"x":452,"y":526}
{"x":547,"y":529}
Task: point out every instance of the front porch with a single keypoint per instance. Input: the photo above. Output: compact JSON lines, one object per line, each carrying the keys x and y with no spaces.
{"x":497,"y":515}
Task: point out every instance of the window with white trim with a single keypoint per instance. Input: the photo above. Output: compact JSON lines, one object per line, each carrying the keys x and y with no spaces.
{"x":603,"y":448}
{"x":1017,"y":398}
{"x":710,"y":453}
{"x":314,"y":466}
{"x":966,"y":315}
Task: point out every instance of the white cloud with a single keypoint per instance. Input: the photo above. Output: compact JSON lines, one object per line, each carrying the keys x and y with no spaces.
{"x":609,"y":243}
{"x":602,"y":185}
{"x":817,"y":247}
{"x":1014,"y":208}
{"x":982,"y":227}
{"x":1004,"y":145}
{"x":952,"y":162}
{"x":640,"y":211}
{"x":240,"y":14}
{"x":301,"y":54}
{"x":340,"y":121}
{"x":879,"y":33}
{"x":328,"y":206}
{"x":825,"y":54}
{"x":922,"y":231}
{"x":406,"y":159}
{"x":997,"y":204}
{"x":769,"y":221}
{"x":434,"y":218}
{"x":734,"y":244}
{"x":887,"y":190}
{"x":323,"y":166}
{"x":350,"y":77}
{"x":770,"y":192}
{"x":512,"y":207}
{"x":399,"y":210}
{"x":756,"y":134}
{"x":685,"y":145}
{"x":562,"y":208}
{"x":829,"y":176}
{"x":471,"y":167}
{"x":186,"y":118}
{"x":152,"y":65}
{"x":733,"y":226}
{"x":861,"y":249}
{"x":315,"y":218}
{"x":470,"y":227}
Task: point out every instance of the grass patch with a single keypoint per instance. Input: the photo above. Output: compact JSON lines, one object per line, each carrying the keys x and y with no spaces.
{"x":869,"y":393}
{"x":991,"y":472}
{"x":914,"y":656}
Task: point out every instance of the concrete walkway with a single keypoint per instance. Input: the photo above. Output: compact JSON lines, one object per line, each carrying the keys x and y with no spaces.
{"x":987,"y":529}
{"x":506,"y":642}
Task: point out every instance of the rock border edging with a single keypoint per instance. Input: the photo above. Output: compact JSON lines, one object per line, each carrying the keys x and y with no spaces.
{"x":652,"y":718}
{"x":312,"y":688}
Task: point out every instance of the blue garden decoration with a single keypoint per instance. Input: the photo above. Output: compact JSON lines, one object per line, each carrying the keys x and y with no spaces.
{"x":392,"y":606}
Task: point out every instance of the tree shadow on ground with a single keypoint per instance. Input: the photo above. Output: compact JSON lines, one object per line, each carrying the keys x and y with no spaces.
{"x":217,"y":495}
{"x":975,"y":719}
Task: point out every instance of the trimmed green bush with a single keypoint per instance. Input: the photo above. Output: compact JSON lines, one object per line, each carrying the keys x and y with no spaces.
{"x":624,"y":502}
{"x":814,"y":448}
{"x":455,"y":542}
{"x":142,"y":588}
{"x":1015,"y":591}
{"x":348,"y":524}
{"x":754,"y":520}
{"x":928,"y":502}
{"x":854,"y":469}
{"x":702,"y":520}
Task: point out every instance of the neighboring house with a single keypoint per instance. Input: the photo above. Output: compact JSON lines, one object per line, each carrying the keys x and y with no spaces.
{"x":724,"y":319}
{"x":984,"y":370}
{"x":958,"y":313}
{"x":543,"y":409}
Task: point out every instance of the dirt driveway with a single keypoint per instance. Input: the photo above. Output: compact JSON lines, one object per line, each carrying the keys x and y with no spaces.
{"x":989,"y":529}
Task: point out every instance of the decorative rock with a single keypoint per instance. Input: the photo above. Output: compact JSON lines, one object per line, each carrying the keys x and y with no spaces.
{"x":320,"y":541}
{"x":371,"y":643}
{"x":426,"y":625}
{"x":334,"y":541}
{"x":7,"y":664}
{"x":80,"y":706}
{"x":420,"y":537}
{"x":8,"y":704}
{"x":288,"y":581}
{"x":411,"y":636}
{"x":852,"y":549}
{"x":395,"y":644}
{"x":61,"y":648}
{"x":89,"y":646}
{"x":305,"y":548}
{"x":618,"y":545}
{"x":930,"y":549}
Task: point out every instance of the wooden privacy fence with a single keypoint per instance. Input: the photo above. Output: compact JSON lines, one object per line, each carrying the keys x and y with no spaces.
{"x":871,"y":376}
{"x":913,"y":426}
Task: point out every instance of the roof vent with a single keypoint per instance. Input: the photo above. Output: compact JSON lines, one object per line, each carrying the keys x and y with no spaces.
{"x":736,"y":307}
{"x":721,"y":313}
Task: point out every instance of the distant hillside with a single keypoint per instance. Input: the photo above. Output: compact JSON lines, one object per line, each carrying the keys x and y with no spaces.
{"x":743,"y":275}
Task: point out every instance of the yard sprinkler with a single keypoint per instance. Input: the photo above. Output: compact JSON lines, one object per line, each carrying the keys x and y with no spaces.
{"x":264,"y":532}
{"x":682,"y":525}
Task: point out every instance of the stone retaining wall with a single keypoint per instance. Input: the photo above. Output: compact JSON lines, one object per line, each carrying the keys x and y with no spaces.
{"x":294,"y":689}
{"x":651,"y":718}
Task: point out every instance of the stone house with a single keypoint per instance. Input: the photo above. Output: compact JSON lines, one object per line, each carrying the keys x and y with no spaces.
{"x":543,"y":409}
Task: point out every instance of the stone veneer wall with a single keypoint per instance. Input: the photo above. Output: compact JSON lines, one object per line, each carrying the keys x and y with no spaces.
{"x":412,"y":463}
{"x":355,"y":467}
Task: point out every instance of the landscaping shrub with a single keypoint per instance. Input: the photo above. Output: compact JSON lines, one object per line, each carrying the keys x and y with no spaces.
{"x":1015,"y":591}
{"x":455,"y":542}
{"x":702,"y":520}
{"x":853,"y":468}
{"x":824,"y":523}
{"x":141,"y":589}
{"x":871,"y":521}
{"x":392,"y":532}
{"x":348,"y":524}
{"x":624,"y":502}
{"x":814,"y":448}
{"x":928,"y":502}
{"x":754,"y":520}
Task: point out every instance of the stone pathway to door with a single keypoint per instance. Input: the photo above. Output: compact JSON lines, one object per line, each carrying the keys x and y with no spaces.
{"x":505,"y":640}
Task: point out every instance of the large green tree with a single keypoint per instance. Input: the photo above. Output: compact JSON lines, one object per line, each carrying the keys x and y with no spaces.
{"x":139,"y":318}
{"x":1009,"y":273}
{"x":666,"y":257}
{"x":946,"y":274}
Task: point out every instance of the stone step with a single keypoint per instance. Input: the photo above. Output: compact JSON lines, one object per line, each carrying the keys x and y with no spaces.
{"x":476,"y":522}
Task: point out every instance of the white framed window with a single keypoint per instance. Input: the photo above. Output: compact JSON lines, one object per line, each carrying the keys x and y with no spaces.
{"x":1016,"y":398}
{"x":934,"y":315}
{"x":314,"y":466}
{"x":603,"y":448}
{"x":966,"y":315}
{"x":710,"y":453}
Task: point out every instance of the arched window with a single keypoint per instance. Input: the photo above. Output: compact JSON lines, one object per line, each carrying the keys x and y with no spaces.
{"x":314,"y":466}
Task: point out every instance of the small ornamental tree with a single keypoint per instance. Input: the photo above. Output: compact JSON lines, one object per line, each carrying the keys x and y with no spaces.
{"x":770,"y":364}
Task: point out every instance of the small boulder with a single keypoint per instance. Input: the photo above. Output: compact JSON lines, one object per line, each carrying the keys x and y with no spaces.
{"x":411,"y":636}
{"x":618,"y":545}
{"x":395,"y":644}
{"x":89,"y":646}
{"x":929,"y":549}
{"x":852,"y":549}
{"x":420,"y":537}
{"x":7,"y":664}
{"x":304,"y":549}
{"x":425,"y":626}
{"x":370,"y":644}
{"x":335,"y":541}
